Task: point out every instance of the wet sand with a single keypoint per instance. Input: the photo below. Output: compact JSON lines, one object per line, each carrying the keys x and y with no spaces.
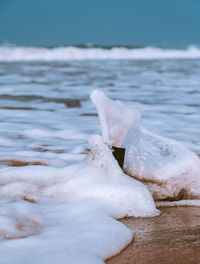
{"x":172,"y":237}
{"x":20,"y":163}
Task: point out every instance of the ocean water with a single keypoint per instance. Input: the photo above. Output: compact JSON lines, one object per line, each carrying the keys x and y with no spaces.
{"x":47,"y":115}
{"x":46,"y":118}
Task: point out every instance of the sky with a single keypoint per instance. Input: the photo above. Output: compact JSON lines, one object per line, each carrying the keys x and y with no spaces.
{"x":174,"y":23}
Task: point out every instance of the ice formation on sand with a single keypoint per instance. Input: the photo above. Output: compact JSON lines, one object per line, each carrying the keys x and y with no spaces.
{"x":66,"y":215}
{"x":168,"y":168}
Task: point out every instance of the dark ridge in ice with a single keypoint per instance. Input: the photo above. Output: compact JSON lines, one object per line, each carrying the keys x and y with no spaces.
{"x":21,"y":163}
{"x":27,"y":98}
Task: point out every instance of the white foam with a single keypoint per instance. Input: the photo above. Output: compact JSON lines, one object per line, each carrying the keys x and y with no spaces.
{"x":78,"y":232}
{"x":69,"y":213}
{"x":9,"y":53}
{"x":99,"y":177}
{"x":63,"y":134}
{"x":179,"y":203}
{"x":167,"y":167}
{"x":4,"y":142}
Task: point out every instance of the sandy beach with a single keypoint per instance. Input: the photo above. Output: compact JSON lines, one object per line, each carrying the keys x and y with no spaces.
{"x":172,"y":237}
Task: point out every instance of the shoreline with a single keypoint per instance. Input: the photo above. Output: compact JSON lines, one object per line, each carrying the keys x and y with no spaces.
{"x":171,"y":237}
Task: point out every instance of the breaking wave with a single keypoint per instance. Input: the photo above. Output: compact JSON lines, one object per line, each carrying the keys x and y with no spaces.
{"x":14,"y":53}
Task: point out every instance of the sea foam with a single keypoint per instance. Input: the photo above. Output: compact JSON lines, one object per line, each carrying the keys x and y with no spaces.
{"x":168,"y":168}
{"x":66,"y":214}
{"x":11,"y":53}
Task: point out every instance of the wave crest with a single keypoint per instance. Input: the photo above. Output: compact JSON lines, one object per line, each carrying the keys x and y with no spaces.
{"x":10,"y":53}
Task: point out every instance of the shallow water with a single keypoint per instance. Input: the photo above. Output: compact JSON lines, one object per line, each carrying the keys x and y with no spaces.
{"x":46,"y":114}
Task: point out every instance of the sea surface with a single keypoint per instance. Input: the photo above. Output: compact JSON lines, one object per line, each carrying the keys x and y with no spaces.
{"x":45,"y":110}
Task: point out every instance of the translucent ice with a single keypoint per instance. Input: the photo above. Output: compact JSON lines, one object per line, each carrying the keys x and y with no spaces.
{"x":168,"y":168}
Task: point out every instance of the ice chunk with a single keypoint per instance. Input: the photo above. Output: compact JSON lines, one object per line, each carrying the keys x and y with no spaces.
{"x":168,"y":168}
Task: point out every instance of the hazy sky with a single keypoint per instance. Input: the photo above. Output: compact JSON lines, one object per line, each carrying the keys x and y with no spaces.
{"x":133,"y":22}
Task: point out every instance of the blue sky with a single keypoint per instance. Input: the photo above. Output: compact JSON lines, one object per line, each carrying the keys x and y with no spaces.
{"x":173,"y":23}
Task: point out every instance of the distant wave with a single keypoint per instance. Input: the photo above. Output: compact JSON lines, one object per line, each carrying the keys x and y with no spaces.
{"x":12,"y":53}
